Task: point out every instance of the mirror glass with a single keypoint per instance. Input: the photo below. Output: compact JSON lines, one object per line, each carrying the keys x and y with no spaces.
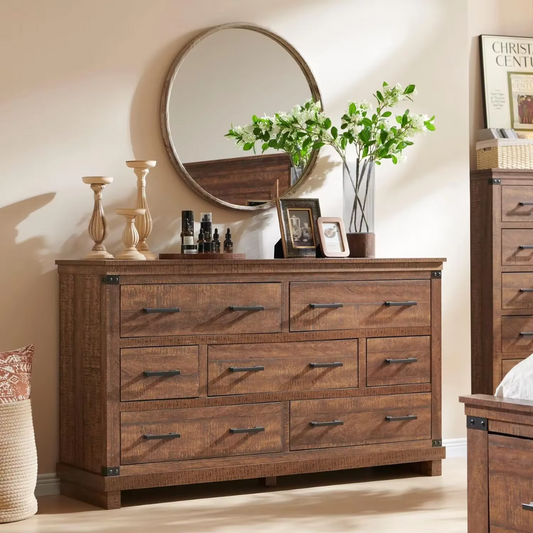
{"x":221,"y":82}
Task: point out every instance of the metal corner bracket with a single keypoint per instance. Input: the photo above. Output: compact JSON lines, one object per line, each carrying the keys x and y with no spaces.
{"x":475,"y":422}
{"x":110,"y":471}
{"x":111,"y":280}
{"x":437,"y":274}
{"x":436,"y":443}
{"x":495,"y":181}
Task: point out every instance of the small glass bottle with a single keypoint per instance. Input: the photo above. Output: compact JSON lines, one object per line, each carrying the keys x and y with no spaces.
{"x":187,"y":240}
{"x":201,"y":242}
{"x":228,"y":243}
{"x":216,"y":242}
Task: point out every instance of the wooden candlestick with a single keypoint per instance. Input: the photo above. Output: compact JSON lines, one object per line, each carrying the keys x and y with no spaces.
{"x":143,"y":222}
{"x":130,"y":237}
{"x":98,"y":224}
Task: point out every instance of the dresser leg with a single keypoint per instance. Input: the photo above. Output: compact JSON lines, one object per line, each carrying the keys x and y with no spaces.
{"x":106,"y":500}
{"x":428,"y":468}
{"x":271,"y":481}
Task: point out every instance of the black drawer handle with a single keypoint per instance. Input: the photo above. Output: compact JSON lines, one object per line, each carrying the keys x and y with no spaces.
{"x":256,"y":429}
{"x":330,"y":423}
{"x":526,"y":290}
{"x":326,"y":306}
{"x":526,"y":247}
{"x":161,"y":373}
{"x":409,"y":303}
{"x":527,"y":506}
{"x":525,"y":203}
{"x":247,"y":307}
{"x":407,"y":360}
{"x":400,"y":418}
{"x":257,"y":368}
{"x":526,"y":333}
{"x":150,"y":310}
{"x":165,"y":436}
{"x":326,"y":365}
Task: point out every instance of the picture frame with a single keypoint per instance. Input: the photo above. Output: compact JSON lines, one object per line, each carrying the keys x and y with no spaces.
{"x":507,"y":81}
{"x":332,"y":237}
{"x":298,"y":222}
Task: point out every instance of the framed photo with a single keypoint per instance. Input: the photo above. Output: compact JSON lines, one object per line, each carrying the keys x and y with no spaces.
{"x":332,"y":237}
{"x":507,"y":74}
{"x":298,"y":222}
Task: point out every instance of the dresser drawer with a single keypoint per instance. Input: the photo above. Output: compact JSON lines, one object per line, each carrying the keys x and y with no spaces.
{"x":508,"y":365}
{"x":356,"y":421}
{"x":517,"y":203}
{"x":510,"y":483}
{"x":517,"y":247}
{"x":517,"y":290}
{"x":282,"y":367}
{"x":158,"y":373}
{"x":398,"y":361}
{"x":193,"y":309}
{"x":174,"y":434}
{"x":359,"y":304}
{"x":517,"y":334}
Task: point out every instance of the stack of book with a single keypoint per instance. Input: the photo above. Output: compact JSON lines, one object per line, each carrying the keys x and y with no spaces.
{"x":496,"y":133}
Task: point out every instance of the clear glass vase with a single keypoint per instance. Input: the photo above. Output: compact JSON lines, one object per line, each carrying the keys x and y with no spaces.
{"x":358,"y":189}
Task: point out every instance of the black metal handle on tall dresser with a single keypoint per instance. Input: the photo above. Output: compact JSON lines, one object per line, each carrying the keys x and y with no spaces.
{"x":326,"y":365}
{"x":326,"y":306}
{"x":164,"y":436}
{"x":257,"y":368}
{"x":161,"y":373}
{"x":526,"y":334}
{"x":325,"y":424}
{"x":246,"y":307}
{"x":527,"y":506}
{"x":256,"y":429}
{"x":525,"y":203}
{"x":409,"y":303}
{"x":150,"y":310}
{"x":525,"y":290}
{"x":526,"y":247}
{"x":400,"y":418}
{"x":407,"y":361}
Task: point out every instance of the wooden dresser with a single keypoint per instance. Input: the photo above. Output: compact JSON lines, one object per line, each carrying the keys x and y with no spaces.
{"x":501,"y":273}
{"x":179,"y":372}
{"x":500,"y":464}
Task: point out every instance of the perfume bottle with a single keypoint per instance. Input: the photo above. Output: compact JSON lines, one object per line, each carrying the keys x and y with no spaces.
{"x":187,"y":240}
{"x":228,"y":243}
{"x":201,"y":242}
{"x":215,"y":245}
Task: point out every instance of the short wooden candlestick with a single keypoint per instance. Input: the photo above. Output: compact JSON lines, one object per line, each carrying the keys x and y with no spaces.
{"x":130,"y":237}
{"x":143,"y":222}
{"x":98,"y":224}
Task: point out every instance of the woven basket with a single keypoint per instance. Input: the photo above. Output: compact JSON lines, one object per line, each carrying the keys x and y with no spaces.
{"x":505,"y":153}
{"x":18,"y":462}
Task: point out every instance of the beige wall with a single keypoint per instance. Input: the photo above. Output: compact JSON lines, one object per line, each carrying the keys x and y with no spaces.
{"x":80,"y":92}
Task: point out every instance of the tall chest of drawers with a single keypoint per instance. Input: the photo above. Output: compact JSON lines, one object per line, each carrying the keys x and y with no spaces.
{"x":501,"y":274}
{"x":180,"y":372}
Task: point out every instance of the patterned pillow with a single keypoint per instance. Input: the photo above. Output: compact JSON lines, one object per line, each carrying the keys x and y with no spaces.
{"x":15,"y":375}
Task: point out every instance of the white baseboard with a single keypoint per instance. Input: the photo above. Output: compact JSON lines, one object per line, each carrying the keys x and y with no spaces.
{"x":48,"y":484}
{"x":455,"y":447}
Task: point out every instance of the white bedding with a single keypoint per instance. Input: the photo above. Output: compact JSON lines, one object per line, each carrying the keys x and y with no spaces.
{"x":518,"y":383}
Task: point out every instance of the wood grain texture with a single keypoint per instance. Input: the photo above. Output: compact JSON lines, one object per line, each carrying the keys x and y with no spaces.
{"x":514,"y":334}
{"x":512,"y":210}
{"x":508,"y":365}
{"x":510,"y":482}
{"x":243,"y":179}
{"x":512,"y":241}
{"x":98,"y":363}
{"x":363,"y":305}
{"x":380,"y":372}
{"x":203,"y":309}
{"x":363,"y":421}
{"x":106,"y":500}
{"x":513,"y":294}
{"x":287,"y":367}
{"x":136,"y":386}
{"x":204,"y":432}
{"x":478,"y":482}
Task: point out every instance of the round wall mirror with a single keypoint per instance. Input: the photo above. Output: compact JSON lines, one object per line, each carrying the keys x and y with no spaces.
{"x":219,"y":81}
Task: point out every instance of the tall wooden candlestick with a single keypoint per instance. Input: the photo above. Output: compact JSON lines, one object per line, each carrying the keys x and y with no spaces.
{"x":143,"y":222}
{"x":98,"y":224}
{"x":130,"y":237}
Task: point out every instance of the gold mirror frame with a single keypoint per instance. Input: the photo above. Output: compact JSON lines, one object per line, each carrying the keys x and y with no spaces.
{"x":165,"y":119}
